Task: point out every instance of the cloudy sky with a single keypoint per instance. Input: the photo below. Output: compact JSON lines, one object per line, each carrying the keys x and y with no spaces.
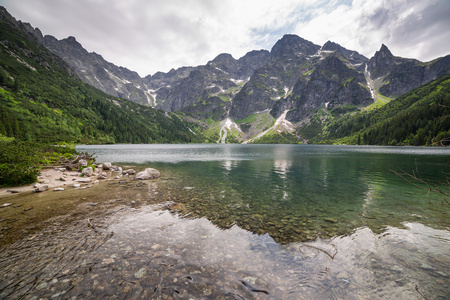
{"x":156,"y":35}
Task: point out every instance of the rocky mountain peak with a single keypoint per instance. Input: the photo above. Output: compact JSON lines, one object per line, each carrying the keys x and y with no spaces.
{"x":384,"y":51}
{"x":293,"y":45}
{"x":381,"y":63}
{"x":72,"y":41}
{"x":352,"y":56}
{"x":225,"y":62}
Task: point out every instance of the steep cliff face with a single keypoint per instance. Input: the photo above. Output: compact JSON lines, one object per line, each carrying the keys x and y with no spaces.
{"x":333,"y":83}
{"x":220,"y":78}
{"x":398,"y":75}
{"x":289,"y":58}
{"x":302,"y":77}
{"x":96,"y":71}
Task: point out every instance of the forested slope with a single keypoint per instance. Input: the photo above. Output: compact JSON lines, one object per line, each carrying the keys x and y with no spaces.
{"x":42,"y":100}
{"x":420,"y":117}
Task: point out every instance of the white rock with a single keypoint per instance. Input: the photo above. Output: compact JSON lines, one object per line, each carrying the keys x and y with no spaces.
{"x":40,"y":188}
{"x":87,"y":171}
{"x":107,"y":165}
{"x":58,"y":189}
{"x":84,"y":180}
{"x":76,"y":185}
{"x":129,"y":172}
{"x":147,"y":174}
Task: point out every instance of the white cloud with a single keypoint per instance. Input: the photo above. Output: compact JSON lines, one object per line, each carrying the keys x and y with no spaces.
{"x":408,"y":27}
{"x":149,"y":35}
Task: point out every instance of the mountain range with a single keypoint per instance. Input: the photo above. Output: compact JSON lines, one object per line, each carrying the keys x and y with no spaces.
{"x":42,"y":99}
{"x":294,"y":90}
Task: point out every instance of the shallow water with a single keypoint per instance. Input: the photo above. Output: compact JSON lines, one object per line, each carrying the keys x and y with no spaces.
{"x":240,"y":222}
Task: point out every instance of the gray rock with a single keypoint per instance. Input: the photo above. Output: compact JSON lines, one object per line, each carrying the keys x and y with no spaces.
{"x":75,"y":185}
{"x":107,"y":165}
{"x":83,"y":162}
{"x":129,"y":172}
{"x":84,"y":180}
{"x":140,"y":273}
{"x":147,"y":174}
{"x":87,"y":171}
{"x":40,"y":188}
{"x":58,"y":189}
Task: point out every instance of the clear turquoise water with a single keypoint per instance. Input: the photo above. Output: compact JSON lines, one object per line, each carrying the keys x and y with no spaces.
{"x":297,"y":192}
{"x":247,"y":222}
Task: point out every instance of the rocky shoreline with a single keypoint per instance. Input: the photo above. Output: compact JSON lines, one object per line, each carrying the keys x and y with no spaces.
{"x":79,"y":176}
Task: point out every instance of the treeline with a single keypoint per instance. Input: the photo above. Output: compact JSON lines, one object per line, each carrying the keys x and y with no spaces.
{"x":420,"y":117}
{"x":40,"y":100}
{"x":278,"y":138}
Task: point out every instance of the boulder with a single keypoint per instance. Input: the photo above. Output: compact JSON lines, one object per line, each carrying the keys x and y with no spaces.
{"x":87,"y":171}
{"x":129,"y":172}
{"x":147,"y":174}
{"x":107,"y":165}
{"x":40,"y":188}
{"x":58,"y":189}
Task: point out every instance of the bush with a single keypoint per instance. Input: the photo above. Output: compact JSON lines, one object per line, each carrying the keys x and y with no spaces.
{"x":19,"y":162}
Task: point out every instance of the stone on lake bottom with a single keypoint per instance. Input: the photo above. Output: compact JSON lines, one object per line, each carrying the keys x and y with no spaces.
{"x":141,"y":273}
{"x":331,"y":220}
{"x":58,"y":189}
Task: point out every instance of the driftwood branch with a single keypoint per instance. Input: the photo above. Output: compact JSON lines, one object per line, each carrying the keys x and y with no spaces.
{"x":415,"y":179}
{"x":417,"y":289}
{"x":322,"y":250}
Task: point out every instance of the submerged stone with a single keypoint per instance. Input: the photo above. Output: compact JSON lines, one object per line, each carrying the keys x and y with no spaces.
{"x":331,"y":220}
{"x":141,"y":273}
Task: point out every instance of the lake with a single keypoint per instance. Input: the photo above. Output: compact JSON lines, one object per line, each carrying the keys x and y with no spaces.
{"x":244,"y":222}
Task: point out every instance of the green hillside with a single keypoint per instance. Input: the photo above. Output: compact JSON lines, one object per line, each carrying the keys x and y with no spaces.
{"x":42,"y":100}
{"x":420,"y":117}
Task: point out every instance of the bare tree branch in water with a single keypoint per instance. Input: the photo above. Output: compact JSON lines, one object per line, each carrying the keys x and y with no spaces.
{"x":415,"y":179}
{"x":441,"y":143}
{"x":417,"y":289}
